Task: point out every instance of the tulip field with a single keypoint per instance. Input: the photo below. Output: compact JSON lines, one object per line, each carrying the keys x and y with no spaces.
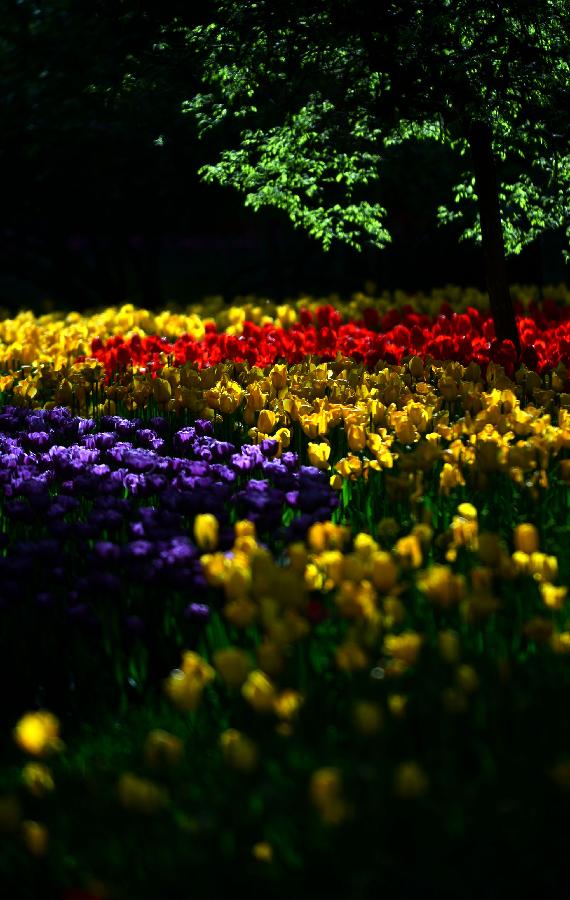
{"x":283,"y":600}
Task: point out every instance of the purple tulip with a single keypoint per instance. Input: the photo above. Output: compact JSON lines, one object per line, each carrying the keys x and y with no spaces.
{"x":107,"y":552}
{"x":269,"y":447}
{"x":160,"y":424}
{"x":139,"y":549}
{"x":197,"y":612}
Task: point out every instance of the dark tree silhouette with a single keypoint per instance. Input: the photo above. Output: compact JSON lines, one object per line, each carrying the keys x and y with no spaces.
{"x":312,"y":94}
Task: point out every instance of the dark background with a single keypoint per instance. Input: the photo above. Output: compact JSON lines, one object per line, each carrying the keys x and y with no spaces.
{"x":101,"y":201}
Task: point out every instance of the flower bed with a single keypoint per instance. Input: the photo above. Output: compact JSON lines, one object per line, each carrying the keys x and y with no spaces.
{"x":295,"y":620}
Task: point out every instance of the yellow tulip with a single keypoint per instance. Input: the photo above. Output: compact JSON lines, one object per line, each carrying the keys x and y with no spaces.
{"x":283,"y":437}
{"x":554,"y":597}
{"x":356,"y":437}
{"x":560,"y":642}
{"x":259,"y":691}
{"x":278,"y":376}
{"x":416,"y":367}
{"x":526,"y":538}
{"x":467,"y":511}
{"x":405,"y":430}
{"x":161,"y":390}
{"x":450,"y":477}
{"x":410,"y":781}
{"x":233,"y":665}
{"x":397,"y":704}
{"x":384,"y":571}
{"x":228,"y":402}
{"x":442,"y":586}
{"x":238,"y":578}
{"x":162,"y":749}
{"x":244,"y":528}
{"x":262,"y":851}
{"x":489,"y":548}
{"x":206,"y":529}
{"x":35,"y":837}
{"x":449,"y":646}
{"x":195,"y":667}
{"x":404,"y":647}
{"x":325,"y":792}
{"x":240,"y":612}
{"x":37,"y":779}
{"x":266,"y":421}
{"x":319,"y":455}
{"x":183,"y":691}
{"x":367,"y":717}
{"x":140,"y":795}
{"x":239,"y":751}
{"x":467,"y":678}
{"x":409,"y":550}
{"x":270,"y":657}
{"x":38,"y":733}
{"x":543,"y":567}
{"x":350,"y":657}
{"x":349,"y":467}
{"x":288,"y":703}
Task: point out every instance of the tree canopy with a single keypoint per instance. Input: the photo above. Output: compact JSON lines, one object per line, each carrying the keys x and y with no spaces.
{"x":312,"y":94}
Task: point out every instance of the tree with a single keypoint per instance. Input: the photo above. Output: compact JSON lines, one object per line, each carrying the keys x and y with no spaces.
{"x":312,"y":93}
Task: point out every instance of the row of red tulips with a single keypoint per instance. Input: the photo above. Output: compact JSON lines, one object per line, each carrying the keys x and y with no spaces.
{"x":466,"y":337}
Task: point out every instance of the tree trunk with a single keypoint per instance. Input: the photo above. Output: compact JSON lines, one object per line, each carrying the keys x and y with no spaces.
{"x":480,"y":142}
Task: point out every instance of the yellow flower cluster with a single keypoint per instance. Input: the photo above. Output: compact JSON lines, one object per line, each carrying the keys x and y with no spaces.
{"x":391,"y":617}
{"x":184,"y":686}
{"x":370,"y":589}
{"x":404,"y":418}
{"x":370,"y":597}
{"x":57,"y":338}
{"x":259,"y":591}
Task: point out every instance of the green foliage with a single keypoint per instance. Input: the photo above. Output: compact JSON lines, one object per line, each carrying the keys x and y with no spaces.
{"x":290,"y":166}
{"x":313,"y":95}
{"x":534,"y":202}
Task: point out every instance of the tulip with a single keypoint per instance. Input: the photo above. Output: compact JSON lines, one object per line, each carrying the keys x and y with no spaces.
{"x":262,"y":852}
{"x":287,"y":704}
{"x":356,"y":437}
{"x":206,"y":530}
{"x":326,"y":794}
{"x":259,"y":691}
{"x":266,"y":421}
{"x":410,"y":781}
{"x":384,"y":571}
{"x":163,"y":749}
{"x":319,"y":455}
{"x":35,"y":837}
{"x":239,"y":751}
{"x":38,"y":733}
{"x":350,"y":657}
{"x":449,"y":646}
{"x":404,"y":647}
{"x":140,"y":795}
{"x":526,"y":538}
{"x":367,"y":717}
{"x":467,"y":678}
{"x":37,"y":779}
{"x":233,"y":665}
